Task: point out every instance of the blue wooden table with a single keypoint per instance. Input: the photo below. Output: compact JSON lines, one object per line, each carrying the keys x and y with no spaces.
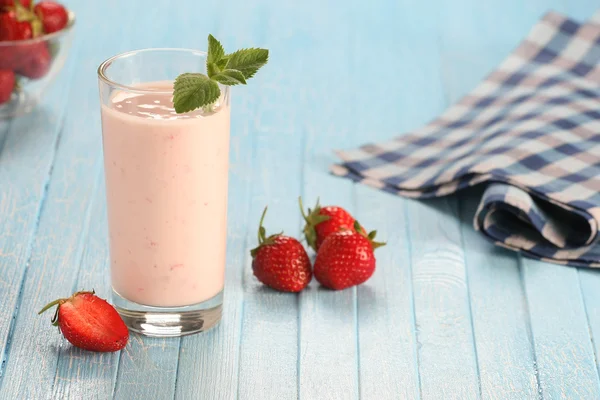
{"x":446,"y":315}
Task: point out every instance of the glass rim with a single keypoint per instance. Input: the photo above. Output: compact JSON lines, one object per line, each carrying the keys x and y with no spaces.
{"x":133,"y":89}
{"x":46,"y":37}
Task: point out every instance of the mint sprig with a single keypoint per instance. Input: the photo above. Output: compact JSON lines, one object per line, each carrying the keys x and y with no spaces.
{"x":195,"y":90}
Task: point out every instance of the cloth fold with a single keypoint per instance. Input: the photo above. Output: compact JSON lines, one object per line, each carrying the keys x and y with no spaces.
{"x":530,"y":130}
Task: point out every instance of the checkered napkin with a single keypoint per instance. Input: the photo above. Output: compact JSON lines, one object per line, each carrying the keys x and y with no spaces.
{"x":531,"y":131}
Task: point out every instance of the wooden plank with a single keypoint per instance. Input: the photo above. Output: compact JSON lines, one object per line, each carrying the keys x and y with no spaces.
{"x":565,"y":355}
{"x":81,"y":374}
{"x":589,"y":281}
{"x":444,"y":333}
{"x":500,"y":314}
{"x":268,"y":347}
{"x":386,"y":320}
{"x":147,"y":368}
{"x":25,"y":164}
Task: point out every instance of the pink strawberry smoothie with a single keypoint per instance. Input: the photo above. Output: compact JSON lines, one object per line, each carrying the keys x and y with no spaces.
{"x":166,"y":184}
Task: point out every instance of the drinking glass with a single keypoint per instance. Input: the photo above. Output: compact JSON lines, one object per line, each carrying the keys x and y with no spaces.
{"x":166,"y":191}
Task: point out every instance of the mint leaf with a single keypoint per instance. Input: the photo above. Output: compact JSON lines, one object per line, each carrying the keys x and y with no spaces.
{"x":214,"y":56}
{"x":230,"y":77}
{"x":215,"y":50}
{"x":247,"y":61}
{"x":192,"y":91}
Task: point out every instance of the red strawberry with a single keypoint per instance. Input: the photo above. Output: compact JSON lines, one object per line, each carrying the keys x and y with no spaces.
{"x":7,"y":85}
{"x":53,"y":15}
{"x":346,"y":258}
{"x":35,"y":60}
{"x":11,"y":28}
{"x":323,"y":221}
{"x":89,"y":322}
{"x":11,"y":3}
{"x":280,"y":262}
{"x":9,"y":57}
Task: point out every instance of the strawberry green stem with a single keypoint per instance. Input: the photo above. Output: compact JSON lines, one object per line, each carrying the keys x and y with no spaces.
{"x":51,"y":304}
{"x":308,"y":216}
{"x":261,"y":229}
{"x":58,"y":303}
{"x":302,"y":209}
{"x":312,"y":218}
{"x":263,"y":240}
{"x":370,"y":237}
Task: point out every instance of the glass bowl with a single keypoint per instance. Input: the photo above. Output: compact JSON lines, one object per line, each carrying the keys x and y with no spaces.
{"x":36,"y":62}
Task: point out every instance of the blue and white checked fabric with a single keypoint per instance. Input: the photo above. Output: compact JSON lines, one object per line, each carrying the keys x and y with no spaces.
{"x":531,"y":131}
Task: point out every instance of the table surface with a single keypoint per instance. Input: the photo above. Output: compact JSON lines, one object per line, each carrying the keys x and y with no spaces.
{"x":446,"y":315}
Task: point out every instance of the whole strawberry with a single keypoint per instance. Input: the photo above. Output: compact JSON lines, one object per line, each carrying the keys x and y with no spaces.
{"x":323,"y":221}
{"x":7,"y":85}
{"x":280,"y":262}
{"x":89,"y":322}
{"x":346,"y":258}
{"x":34,"y":60}
{"x":54,"y":16}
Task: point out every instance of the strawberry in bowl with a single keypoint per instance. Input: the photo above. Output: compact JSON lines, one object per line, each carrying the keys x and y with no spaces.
{"x":34,"y":40}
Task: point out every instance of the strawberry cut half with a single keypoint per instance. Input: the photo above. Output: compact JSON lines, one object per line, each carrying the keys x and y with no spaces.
{"x":89,"y":322}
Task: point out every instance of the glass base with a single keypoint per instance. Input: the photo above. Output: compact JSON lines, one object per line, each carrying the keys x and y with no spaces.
{"x":169,"y":321}
{"x":20,"y":103}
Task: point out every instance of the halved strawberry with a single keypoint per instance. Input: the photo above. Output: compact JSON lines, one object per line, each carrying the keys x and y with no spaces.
{"x":89,"y":322}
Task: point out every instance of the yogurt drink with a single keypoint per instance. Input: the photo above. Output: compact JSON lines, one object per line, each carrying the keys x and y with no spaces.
{"x":166,"y":184}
